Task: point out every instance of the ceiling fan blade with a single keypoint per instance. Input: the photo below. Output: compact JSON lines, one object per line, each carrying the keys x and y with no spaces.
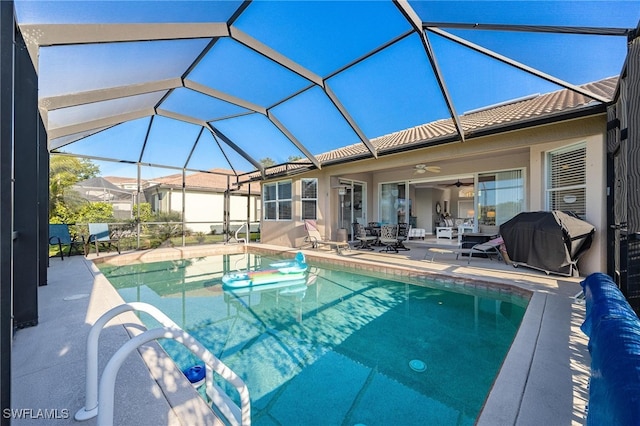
{"x":458,"y":184}
{"x":422,"y":168}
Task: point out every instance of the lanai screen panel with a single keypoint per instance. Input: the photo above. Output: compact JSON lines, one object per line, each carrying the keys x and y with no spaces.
{"x":123,"y":142}
{"x":300,"y":77}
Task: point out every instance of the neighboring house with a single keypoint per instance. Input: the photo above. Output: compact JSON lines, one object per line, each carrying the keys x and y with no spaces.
{"x":103,"y":189}
{"x":127,"y":183}
{"x":544,"y":152}
{"x":204,"y":199}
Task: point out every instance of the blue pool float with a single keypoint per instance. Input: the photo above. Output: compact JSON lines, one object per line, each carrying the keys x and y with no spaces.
{"x":278,"y":272}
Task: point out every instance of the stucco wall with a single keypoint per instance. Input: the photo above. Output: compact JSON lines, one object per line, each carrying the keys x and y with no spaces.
{"x":516,"y":149}
{"x":595,"y":259}
{"x":201,"y":206}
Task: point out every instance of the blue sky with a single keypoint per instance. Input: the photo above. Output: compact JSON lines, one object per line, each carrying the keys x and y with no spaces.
{"x":389,"y":91}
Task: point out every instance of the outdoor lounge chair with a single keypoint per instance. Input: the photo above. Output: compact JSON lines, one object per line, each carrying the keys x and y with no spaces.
{"x":314,"y":237}
{"x":59,"y":235}
{"x":490,"y":248}
{"x":99,"y":235}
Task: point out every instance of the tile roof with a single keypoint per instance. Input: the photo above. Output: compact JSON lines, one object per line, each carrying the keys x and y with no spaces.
{"x":481,"y":121}
{"x":121,"y":180}
{"x":216,"y":181}
{"x":518,"y":113}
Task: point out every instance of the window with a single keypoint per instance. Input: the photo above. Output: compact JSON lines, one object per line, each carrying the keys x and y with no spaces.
{"x":309,"y":198}
{"x":500,"y":196}
{"x":567,"y":179}
{"x":277,"y":201}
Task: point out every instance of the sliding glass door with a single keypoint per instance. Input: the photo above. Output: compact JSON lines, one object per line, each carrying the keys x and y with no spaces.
{"x":500,"y":196}
{"x":395,"y":205}
{"x":353,"y":207}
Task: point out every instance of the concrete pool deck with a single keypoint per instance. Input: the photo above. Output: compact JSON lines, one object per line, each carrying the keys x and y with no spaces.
{"x":543,"y":379}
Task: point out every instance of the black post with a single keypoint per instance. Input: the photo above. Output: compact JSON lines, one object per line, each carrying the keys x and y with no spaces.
{"x":26,"y":182}
{"x":7,"y":28}
{"x":43,"y":204}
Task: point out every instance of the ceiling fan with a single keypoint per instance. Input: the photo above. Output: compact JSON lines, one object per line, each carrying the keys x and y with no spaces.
{"x":458,"y":184}
{"x":423,"y":168}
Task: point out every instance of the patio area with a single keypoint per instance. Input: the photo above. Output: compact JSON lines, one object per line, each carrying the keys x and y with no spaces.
{"x":543,"y":379}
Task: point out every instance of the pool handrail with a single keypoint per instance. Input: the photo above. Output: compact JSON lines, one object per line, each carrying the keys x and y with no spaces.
{"x":92,"y":402}
{"x":247,"y":233}
{"x":90,"y":408}
{"x":235,"y":415}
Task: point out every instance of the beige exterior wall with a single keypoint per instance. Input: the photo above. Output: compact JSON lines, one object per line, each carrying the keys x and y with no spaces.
{"x":595,"y":259}
{"x":523,"y":149}
{"x":202,"y":206}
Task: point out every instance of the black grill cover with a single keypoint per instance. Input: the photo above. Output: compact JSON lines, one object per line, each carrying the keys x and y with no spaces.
{"x":551,"y":241}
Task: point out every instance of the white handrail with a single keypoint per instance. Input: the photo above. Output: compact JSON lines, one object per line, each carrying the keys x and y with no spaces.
{"x":244,"y":240}
{"x":90,"y":408}
{"x":92,"y":403}
{"x":234,"y":414}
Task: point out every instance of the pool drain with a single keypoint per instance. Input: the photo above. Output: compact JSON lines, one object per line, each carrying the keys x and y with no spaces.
{"x":417,"y":365}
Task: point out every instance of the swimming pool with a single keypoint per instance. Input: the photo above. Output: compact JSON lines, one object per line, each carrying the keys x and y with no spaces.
{"x":343,"y":349}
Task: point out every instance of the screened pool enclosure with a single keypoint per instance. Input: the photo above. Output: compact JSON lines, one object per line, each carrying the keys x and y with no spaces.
{"x":184,"y":101}
{"x":166,"y":93}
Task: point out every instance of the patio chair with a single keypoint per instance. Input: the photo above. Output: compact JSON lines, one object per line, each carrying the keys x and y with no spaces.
{"x":314,"y":237}
{"x":490,"y":248}
{"x":374,"y":229}
{"x":389,"y":238}
{"x":403,"y":235}
{"x":99,"y":235}
{"x":365,"y":238}
{"x":59,"y":235}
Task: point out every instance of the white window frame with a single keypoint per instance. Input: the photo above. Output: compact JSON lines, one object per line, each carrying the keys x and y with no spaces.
{"x":550,"y":191}
{"x":278,"y":201}
{"x":304,"y":199}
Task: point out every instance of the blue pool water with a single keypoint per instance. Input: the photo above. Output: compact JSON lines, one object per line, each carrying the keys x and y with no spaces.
{"x":341,"y":349}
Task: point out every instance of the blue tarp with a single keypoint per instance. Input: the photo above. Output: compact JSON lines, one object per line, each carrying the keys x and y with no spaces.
{"x":613,"y":329}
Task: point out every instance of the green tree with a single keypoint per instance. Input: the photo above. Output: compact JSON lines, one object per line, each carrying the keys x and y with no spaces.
{"x":64,"y":172}
{"x":97,"y":212}
{"x":145,"y":214}
{"x":267,"y":162}
{"x":172,"y":216}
